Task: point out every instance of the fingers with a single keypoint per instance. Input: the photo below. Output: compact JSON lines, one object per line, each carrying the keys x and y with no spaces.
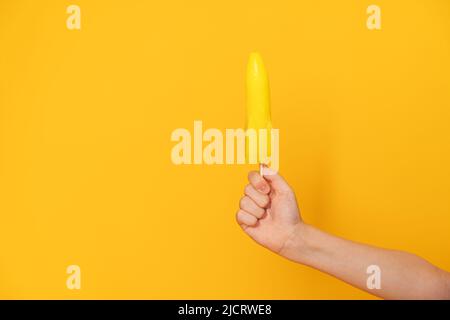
{"x":250,"y":206}
{"x":261,"y":199}
{"x":246,"y":219}
{"x":256,"y":199}
{"x":258,"y":182}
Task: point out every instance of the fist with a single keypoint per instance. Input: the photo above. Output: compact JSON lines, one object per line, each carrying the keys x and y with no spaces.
{"x":268,"y":211}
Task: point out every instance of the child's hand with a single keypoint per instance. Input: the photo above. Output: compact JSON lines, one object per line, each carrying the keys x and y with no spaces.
{"x":268,"y":212}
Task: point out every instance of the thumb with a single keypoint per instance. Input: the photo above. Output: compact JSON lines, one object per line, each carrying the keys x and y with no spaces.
{"x":276,"y":181}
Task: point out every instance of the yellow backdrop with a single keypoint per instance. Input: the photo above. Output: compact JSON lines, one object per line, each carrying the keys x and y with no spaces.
{"x":86,"y":116}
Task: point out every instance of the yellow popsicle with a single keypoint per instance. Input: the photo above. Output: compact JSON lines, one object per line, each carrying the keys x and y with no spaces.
{"x":258,"y":110}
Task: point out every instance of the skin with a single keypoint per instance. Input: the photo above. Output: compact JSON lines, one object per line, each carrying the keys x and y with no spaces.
{"x":269,"y":214}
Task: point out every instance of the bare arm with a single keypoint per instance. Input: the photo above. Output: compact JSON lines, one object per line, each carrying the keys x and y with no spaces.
{"x":402,"y":275}
{"x":269,"y":215}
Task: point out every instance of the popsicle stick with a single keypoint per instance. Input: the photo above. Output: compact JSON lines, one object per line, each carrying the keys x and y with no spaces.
{"x":261,"y":169}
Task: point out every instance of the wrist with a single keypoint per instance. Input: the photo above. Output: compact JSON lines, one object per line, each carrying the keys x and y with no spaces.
{"x":297,"y":247}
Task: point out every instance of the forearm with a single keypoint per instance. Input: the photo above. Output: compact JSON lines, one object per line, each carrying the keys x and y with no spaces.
{"x":403,"y":275}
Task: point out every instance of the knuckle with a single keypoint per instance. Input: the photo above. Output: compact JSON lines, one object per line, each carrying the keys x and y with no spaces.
{"x":243,"y":201}
{"x":238,"y":216}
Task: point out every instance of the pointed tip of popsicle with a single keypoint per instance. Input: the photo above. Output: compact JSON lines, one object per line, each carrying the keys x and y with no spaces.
{"x":254,"y":55}
{"x":258,"y":104}
{"x":255,"y":63}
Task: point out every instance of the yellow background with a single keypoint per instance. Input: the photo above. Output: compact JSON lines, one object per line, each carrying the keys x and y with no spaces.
{"x":86,"y":118}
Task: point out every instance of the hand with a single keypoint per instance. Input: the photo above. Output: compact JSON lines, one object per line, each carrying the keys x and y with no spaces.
{"x":268,"y":211}
{"x":269,"y":215}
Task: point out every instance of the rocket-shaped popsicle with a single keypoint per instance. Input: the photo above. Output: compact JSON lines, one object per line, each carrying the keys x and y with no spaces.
{"x":258,"y":111}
